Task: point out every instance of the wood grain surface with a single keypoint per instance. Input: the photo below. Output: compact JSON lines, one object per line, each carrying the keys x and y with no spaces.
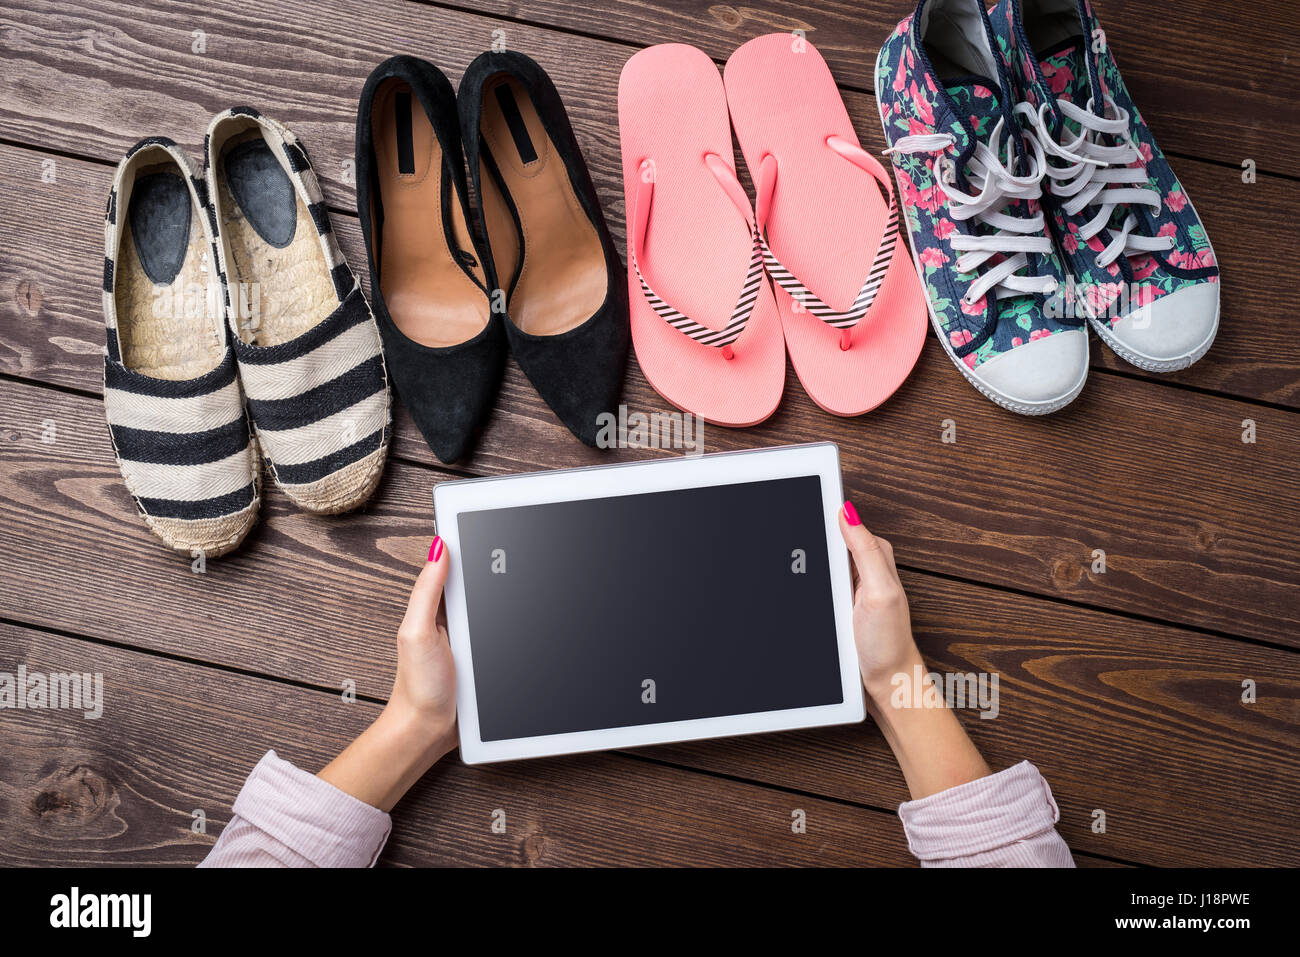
{"x":175,"y":738}
{"x":1212,"y":81}
{"x":1090,"y":690}
{"x":1124,"y":687}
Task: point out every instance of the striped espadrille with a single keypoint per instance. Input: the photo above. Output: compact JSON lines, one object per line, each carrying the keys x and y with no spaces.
{"x":175,"y":412}
{"x":308,"y":349}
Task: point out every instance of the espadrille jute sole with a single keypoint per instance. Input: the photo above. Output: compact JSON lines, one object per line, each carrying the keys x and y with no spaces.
{"x":342,"y":491}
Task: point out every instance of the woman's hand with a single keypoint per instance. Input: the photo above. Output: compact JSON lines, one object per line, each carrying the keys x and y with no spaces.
{"x":418,"y":725}
{"x":882,"y":626}
{"x":424,"y":692}
{"x":928,"y":741}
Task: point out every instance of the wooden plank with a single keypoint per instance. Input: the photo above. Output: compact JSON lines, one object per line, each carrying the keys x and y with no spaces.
{"x":176,"y":737}
{"x":1136,"y":718}
{"x":1211,"y":82}
{"x":1159,"y":480}
{"x":524,"y":435}
{"x":129,"y":72}
{"x":310,"y":598}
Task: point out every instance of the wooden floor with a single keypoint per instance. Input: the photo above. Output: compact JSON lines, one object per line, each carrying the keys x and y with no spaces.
{"x":1125,"y":688}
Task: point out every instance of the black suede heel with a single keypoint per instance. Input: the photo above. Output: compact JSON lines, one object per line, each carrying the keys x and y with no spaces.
{"x":449,"y":388}
{"x":578,"y":369}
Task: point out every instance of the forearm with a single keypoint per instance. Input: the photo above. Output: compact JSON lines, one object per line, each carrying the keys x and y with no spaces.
{"x":962,"y":815}
{"x":929,"y":743}
{"x":383,"y":763}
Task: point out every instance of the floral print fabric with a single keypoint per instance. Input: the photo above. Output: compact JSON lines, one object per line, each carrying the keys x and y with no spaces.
{"x":913,"y":103}
{"x":1071,"y":71}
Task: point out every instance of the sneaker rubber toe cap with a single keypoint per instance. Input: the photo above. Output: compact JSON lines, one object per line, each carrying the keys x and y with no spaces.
{"x":1168,"y":333}
{"x":1040,"y":376}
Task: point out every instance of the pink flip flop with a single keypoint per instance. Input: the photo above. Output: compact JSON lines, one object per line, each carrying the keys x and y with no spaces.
{"x":850,"y":302}
{"x":704,"y":321}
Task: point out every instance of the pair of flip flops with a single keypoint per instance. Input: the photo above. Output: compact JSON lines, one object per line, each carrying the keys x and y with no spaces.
{"x":710,"y":333}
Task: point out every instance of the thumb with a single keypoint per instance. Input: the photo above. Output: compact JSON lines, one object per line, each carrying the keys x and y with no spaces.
{"x":872,"y":556}
{"x":422,"y":609}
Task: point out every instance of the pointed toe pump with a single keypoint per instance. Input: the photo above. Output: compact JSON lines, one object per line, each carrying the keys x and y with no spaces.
{"x":549,"y":249}
{"x":429,"y":286}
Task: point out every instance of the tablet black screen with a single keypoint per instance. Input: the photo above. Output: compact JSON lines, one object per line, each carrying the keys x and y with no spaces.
{"x":720,"y":596}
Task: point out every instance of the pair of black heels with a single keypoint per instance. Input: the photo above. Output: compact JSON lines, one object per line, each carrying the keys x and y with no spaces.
{"x":539,"y":276}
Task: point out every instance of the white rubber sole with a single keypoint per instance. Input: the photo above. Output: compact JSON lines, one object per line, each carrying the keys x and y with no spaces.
{"x":996,"y":396}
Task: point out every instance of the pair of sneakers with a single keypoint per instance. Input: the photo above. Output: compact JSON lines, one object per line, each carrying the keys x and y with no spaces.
{"x":1038,"y":201}
{"x":231,"y":314}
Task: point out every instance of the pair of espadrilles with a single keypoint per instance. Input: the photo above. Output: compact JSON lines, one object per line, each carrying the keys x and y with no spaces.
{"x":234,"y":323}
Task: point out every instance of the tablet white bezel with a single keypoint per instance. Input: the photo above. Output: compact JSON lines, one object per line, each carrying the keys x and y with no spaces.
{"x":537,"y":488}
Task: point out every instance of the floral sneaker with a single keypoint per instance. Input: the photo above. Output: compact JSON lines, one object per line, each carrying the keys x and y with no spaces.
{"x":971,"y":186}
{"x":1144,"y":272}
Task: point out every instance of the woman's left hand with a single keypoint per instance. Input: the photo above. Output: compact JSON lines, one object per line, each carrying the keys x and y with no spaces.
{"x":418,"y":726}
{"x":424,"y":692}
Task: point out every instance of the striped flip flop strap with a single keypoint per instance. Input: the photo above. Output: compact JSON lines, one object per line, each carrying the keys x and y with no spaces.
{"x":866,"y":295}
{"x":718,"y":338}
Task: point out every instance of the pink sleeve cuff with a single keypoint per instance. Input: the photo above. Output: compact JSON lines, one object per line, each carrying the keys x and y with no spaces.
{"x":311,"y":817}
{"x":1006,"y":818}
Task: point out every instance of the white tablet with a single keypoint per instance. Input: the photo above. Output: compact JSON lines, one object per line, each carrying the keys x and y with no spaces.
{"x":651,"y":602}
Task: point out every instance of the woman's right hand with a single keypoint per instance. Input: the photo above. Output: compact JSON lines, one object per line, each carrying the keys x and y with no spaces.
{"x":928,"y":741}
{"x":882,"y":627}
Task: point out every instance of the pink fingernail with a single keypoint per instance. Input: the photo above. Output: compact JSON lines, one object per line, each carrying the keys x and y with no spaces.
{"x":435,"y":549}
{"x":851,"y":514}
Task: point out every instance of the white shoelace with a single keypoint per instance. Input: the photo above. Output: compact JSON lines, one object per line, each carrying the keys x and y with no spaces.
{"x":997,"y":186}
{"x":1105,"y":175}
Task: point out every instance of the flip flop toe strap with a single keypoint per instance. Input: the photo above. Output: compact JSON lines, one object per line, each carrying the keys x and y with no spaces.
{"x":700,"y":333}
{"x":749,"y":292}
{"x":783,"y":277}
